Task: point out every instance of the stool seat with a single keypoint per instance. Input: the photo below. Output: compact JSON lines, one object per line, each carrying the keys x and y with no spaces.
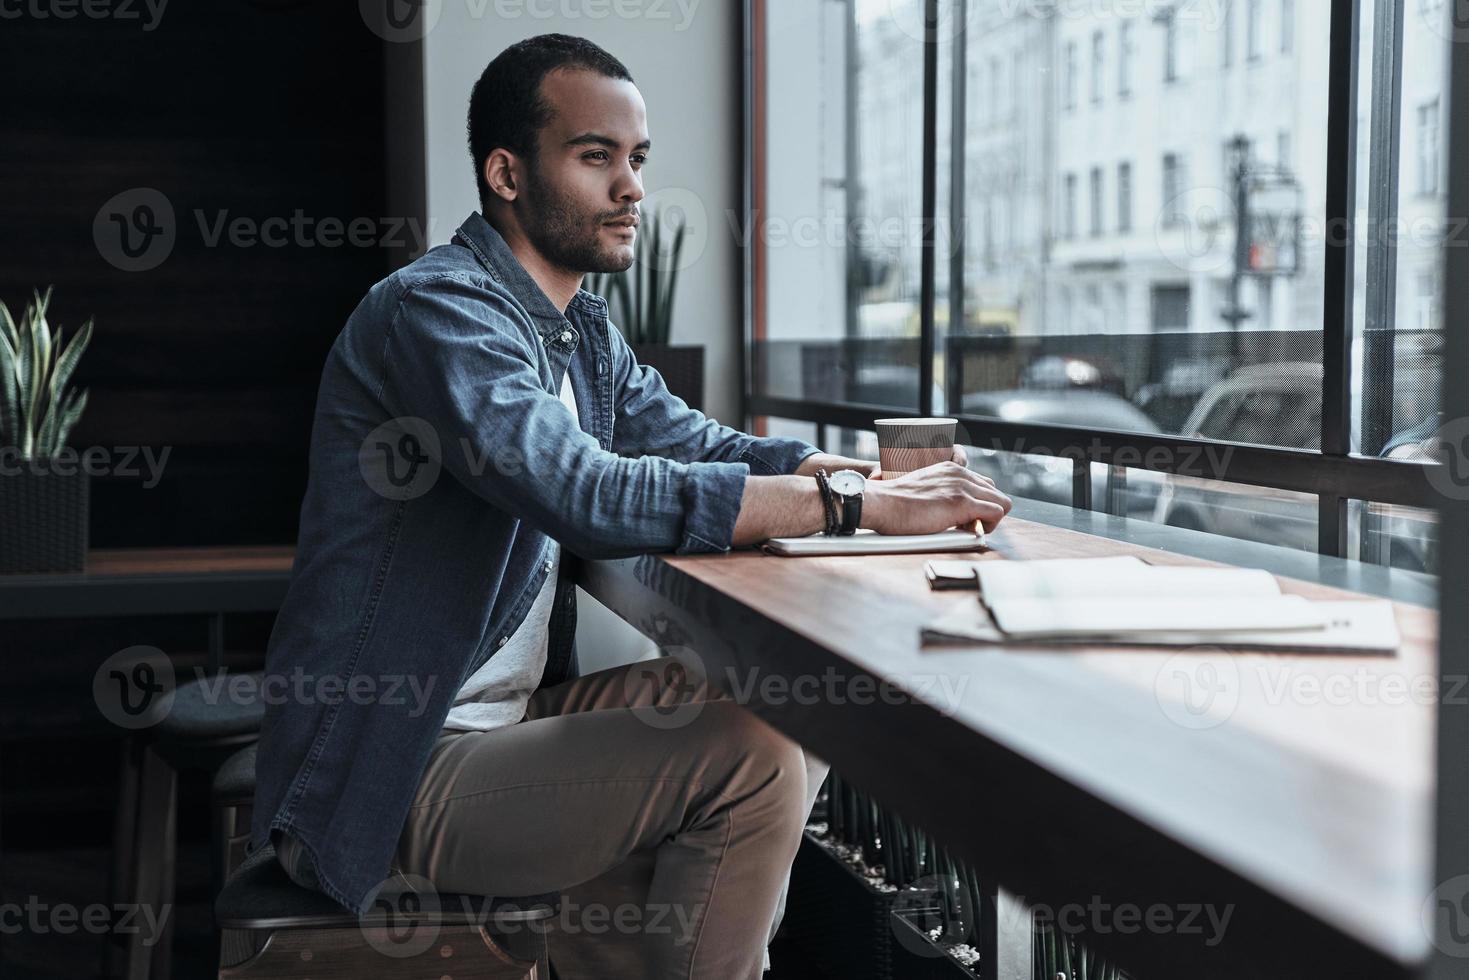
{"x":234,"y":782}
{"x":214,"y":708}
{"x":260,"y":895}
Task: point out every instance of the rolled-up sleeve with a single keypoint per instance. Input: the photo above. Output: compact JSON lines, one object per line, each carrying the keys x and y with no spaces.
{"x":458,"y":362}
{"x":650,"y":419}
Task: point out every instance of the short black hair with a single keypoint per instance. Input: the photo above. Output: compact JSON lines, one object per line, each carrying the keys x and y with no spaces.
{"x":506,"y":109}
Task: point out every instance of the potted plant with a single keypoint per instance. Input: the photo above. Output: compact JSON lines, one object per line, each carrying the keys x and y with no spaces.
{"x":43,"y":491}
{"x":640,"y":301}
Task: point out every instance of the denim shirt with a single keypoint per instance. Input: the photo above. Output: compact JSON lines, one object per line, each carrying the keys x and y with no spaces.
{"x":442,"y":463}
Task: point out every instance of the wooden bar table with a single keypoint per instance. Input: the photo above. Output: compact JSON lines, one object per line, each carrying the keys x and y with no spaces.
{"x":1290,"y":793}
{"x":210,"y":581}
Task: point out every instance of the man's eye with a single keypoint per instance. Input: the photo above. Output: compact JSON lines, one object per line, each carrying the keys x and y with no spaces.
{"x":639,"y":159}
{"x":596,"y":154}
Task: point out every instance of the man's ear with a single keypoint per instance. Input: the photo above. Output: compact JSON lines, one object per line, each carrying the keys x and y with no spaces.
{"x":500,"y":174}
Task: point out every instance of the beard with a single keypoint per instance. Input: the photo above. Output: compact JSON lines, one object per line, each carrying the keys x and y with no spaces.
{"x":567,"y":234}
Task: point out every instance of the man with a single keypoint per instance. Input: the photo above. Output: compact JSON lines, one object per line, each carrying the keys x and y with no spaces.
{"x":447,"y":481}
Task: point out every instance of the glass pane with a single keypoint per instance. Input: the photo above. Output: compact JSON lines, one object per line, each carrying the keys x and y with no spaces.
{"x":1398,"y":278}
{"x":1260,"y":514}
{"x":1105,"y":283}
{"x":1400,"y":537}
{"x":841,"y":223}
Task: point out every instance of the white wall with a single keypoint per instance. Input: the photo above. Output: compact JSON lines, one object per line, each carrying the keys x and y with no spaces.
{"x":685,"y":57}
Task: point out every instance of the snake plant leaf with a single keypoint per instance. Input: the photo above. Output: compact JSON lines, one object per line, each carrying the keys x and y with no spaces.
{"x":70,"y":354}
{"x":9,"y":394}
{"x":37,"y":409}
{"x":8,"y":328}
{"x":69,"y":418}
{"x":665,"y":312}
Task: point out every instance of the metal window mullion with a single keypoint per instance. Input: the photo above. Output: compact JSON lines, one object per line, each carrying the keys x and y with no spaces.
{"x":954,"y":373}
{"x":927,"y":259}
{"x":1336,"y":326}
{"x":1382,"y":212}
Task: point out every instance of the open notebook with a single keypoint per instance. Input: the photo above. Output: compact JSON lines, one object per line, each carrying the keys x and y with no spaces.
{"x":866,"y":542}
{"x":1124,"y":601}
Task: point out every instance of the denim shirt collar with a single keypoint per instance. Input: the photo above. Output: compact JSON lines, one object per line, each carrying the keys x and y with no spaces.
{"x":494,"y":253}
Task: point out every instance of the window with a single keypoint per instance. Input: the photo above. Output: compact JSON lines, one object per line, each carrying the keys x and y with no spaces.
{"x":1428,"y":301}
{"x":1017,"y":74}
{"x":1170,"y":48}
{"x":1068,"y":219}
{"x":1098,"y":53}
{"x":1124,"y":59}
{"x":1096,"y":201}
{"x":1174,"y":180}
{"x":1170,"y":308}
{"x":1226,"y":30}
{"x":1070,"y":80}
{"x":1134,"y":288}
{"x":1124,"y":197}
{"x":1428,"y":149}
{"x":997,"y":87}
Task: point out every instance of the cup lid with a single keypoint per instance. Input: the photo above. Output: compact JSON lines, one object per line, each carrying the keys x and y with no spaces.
{"x":918,"y":421}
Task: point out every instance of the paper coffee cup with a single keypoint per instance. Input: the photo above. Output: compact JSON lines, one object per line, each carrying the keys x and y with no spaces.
{"x":904,"y":445}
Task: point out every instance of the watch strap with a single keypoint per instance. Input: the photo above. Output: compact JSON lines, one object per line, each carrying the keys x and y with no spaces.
{"x":828,"y":503}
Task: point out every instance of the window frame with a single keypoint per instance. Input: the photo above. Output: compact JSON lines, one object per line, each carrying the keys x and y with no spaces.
{"x":1332,"y":473}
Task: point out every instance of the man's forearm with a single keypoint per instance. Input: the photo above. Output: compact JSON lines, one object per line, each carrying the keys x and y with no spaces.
{"x":833,"y":463}
{"x":789,"y":506}
{"x":778,"y":507}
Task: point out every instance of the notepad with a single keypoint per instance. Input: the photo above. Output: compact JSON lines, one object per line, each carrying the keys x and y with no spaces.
{"x":1129,"y":602}
{"x":868,"y":542}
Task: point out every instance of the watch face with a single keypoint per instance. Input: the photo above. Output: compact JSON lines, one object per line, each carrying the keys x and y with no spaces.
{"x":847,"y":482}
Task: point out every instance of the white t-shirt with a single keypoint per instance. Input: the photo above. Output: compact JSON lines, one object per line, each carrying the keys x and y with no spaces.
{"x":495,"y":695}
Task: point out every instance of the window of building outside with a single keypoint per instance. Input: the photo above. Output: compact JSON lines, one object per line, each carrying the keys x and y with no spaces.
{"x":1226,"y":32}
{"x":1428,"y":151}
{"x":1069,"y":230}
{"x":1071,"y":80}
{"x":1157,"y":321}
{"x":1099,"y":44}
{"x":1124,"y":197}
{"x":1170,"y":46}
{"x":1096,"y":202}
{"x":1125,"y":52}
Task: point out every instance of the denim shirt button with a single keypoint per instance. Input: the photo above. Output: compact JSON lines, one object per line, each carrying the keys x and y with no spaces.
{"x":504,"y":640}
{"x":548,"y":564}
{"x":566,"y":337}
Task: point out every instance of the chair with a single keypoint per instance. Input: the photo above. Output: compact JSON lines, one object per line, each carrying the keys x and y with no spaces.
{"x":271,"y":927}
{"x":199,"y":732}
{"x":232,"y":799}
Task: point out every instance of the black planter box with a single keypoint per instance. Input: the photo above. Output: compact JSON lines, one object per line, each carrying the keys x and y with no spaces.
{"x":853,"y":930}
{"x":43,"y":517}
{"x":682,"y":368}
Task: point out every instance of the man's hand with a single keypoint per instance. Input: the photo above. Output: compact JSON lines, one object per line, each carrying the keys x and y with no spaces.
{"x":933,"y":499}
{"x":960,"y":457}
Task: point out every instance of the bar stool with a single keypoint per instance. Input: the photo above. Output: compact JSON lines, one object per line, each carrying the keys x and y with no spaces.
{"x":271,"y":927}
{"x":200,"y":732}
{"x":232,"y":799}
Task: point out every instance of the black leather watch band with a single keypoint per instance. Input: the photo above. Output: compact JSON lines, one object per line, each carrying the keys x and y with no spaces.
{"x":851,"y":513}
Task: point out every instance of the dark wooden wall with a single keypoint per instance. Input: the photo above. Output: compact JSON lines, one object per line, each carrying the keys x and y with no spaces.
{"x":251,"y":108}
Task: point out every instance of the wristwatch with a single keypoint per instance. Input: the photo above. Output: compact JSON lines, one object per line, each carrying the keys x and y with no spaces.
{"x":846,"y":490}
